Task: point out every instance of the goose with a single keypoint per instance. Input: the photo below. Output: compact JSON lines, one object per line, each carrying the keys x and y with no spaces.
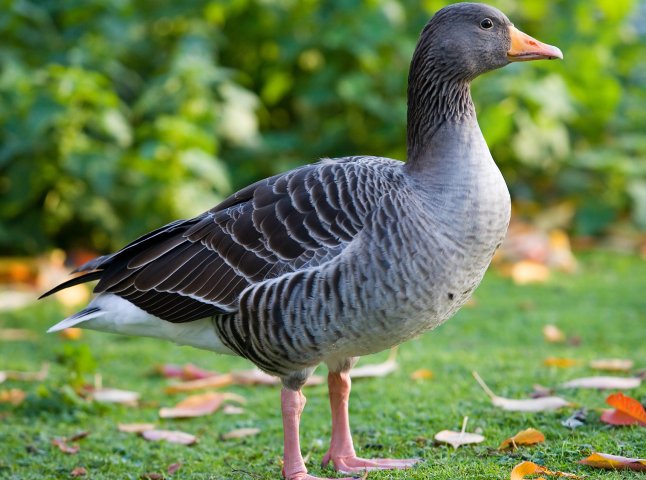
{"x":337,"y":259}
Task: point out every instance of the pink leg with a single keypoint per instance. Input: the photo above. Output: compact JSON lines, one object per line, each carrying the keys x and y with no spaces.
{"x":292,"y":404}
{"x":341,"y":452}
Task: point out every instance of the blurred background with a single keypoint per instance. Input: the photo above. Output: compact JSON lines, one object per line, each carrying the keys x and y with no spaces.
{"x":117,"y":116}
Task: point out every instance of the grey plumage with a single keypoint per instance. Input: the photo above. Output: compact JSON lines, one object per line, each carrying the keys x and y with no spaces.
{"x":337,"y":259}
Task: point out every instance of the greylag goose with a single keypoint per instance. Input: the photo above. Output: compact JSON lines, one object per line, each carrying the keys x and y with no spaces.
{"x":337,"y":259}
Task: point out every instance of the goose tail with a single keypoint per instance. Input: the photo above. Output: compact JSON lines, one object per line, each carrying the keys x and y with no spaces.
{"x":83,"y":316}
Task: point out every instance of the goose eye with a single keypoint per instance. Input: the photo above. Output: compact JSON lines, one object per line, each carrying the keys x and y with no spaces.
{"x":486,"y":24}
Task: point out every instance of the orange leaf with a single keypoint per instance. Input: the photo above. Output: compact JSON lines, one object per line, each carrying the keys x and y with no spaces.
{"x":71,"y":333}
{"x":553,"y":334}
{"x":523,"y":469}
{"x":614,"y":462}
{"x":421,"y":374}
{"x":524,"y":437}
{"x":199,"y":405}
{"x":627,"y":405}
{"x":13,"y":396}
{"x":559,"y":362}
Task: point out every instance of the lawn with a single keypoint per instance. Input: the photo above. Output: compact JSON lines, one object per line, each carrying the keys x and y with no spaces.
{"x":603,"y":305}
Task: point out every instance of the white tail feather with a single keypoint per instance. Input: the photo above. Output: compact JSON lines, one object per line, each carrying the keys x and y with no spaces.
{"x":76,"y":319}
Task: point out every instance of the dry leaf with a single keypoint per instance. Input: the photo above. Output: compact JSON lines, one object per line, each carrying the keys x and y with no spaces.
{"x":232,"y":410}
{"x":71,"y":333}
{"x":199,"y":405}
{"x":14,"y":396}
{"x":16,"y":334}
{"x":256,"y":376}
{"x":78,"y":436}
{"x":114,"y":395}
{"x":38,"y":376}
{"x":540,"y":391}
{"x":553,"y":334}
{"x":173,"y":436}
{"x":524,"y":437}
{"x":614,"y":462}
{"x":612,"y":364}
{"x":62,"y":445}
{"x":240,"y":433}
{"x":523,"y":405}
{"x":421,"y":374}
{"x":215,"y":381}
{"x":377,"y":369}
{"x":151,"y":476}
{"x":628,"y":411}
{"x":457,"y":439}
{"x":528,"y":271}
{"x":173,"y":467}
{"x":185,"y":372}
{"x":135,"y":427}
{"x":559,"y":362}
{"x":523,"y":469}
{"x":3,"y":376}
{"x":618,"y":383}
{"x":78,"y":472}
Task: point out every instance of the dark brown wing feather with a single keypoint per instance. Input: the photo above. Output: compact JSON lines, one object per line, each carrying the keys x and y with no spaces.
{"x":195,"y":268}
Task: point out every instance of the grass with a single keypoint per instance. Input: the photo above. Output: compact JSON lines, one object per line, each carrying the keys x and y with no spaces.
{"x":604,"y":304}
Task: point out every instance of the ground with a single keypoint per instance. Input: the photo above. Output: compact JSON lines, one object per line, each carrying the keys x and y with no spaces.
{"x":604,"y":305}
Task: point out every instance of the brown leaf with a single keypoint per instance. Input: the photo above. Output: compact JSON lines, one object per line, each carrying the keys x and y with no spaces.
{"x":78,"y":472}
{"x":612,"y":364}
{"x":553,"y":334}
{"x":240,"y":433}
{"x":628,"y":411}
{"x":14,"y":396}
{"x":199,"y":405}
{"x":215,"y":381}
{"x":421,"y":374}
{"x":523,"y":469}
{"x":62,"y":445}
{"x":377,"y":369}
{"x":173,"y":436}
{"x":135,"y":427}
{"x":173,"y":467}
{"x":614,"y":462}
{"x":523,"y":405}
{"x":114,"y":395}
{"x":151,"y":476}
{"x":560,"y":362}
{"x":524,"y":437}
{"x":619,"y":383}
{"x":78,"y":436}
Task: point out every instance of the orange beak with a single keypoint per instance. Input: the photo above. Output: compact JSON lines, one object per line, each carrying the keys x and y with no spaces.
{"x":525,"y":48}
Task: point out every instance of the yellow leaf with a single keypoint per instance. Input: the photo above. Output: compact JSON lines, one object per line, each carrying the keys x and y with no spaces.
{"x":524,"y":437}
{"x":523,"y":469}
{"x":559,"y":362}
{"x":614,"y":462}
{"x":421,"y":374}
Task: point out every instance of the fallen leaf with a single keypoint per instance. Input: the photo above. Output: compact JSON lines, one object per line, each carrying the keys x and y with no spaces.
{"x":457,"y":439}
{"x":256,"y":376}
{"x":619,"y":383}
{"x":577,"y":419}
{"x":173,"y":436}
{"x":628,"y":411}
{"x":62,"y":445}
{"x":71,"y":333}
{"x":135,"y":427}
{"x":199,"y":405}
{"x":173,"y":467}
{"x":614,"y":462}
{"x":16,"y":334}
{"x":114,"y":395}
{"x":612,"y":364}
{"x":523,"y":469}
{"x":559,"y":362}
{"x":524,"y":437}
{"x":528,"y":271}
{"x":377,"y":369}
{"x":185,"y":372}
{"x":539,"y":391}
{"x":78,"y":436}
{"x":523,"y":405}
{"x":421,"y":374}
{"x":553,"y":334}
{"x":78,"y":472}
{"x":3,"y":376}
{"x":240,"y":433}
{"x":14,"y":396}
{"x":38,"y":376}
{"x":232,"y":410}
{"x":215,"y":381}
{"x":151,"y":476}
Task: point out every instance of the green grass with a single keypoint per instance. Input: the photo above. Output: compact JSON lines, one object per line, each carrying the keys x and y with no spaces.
{"x":604,"y":304}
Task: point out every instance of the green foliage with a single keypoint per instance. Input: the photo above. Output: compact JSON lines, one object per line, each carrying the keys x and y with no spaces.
{"x":116,"y":117}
